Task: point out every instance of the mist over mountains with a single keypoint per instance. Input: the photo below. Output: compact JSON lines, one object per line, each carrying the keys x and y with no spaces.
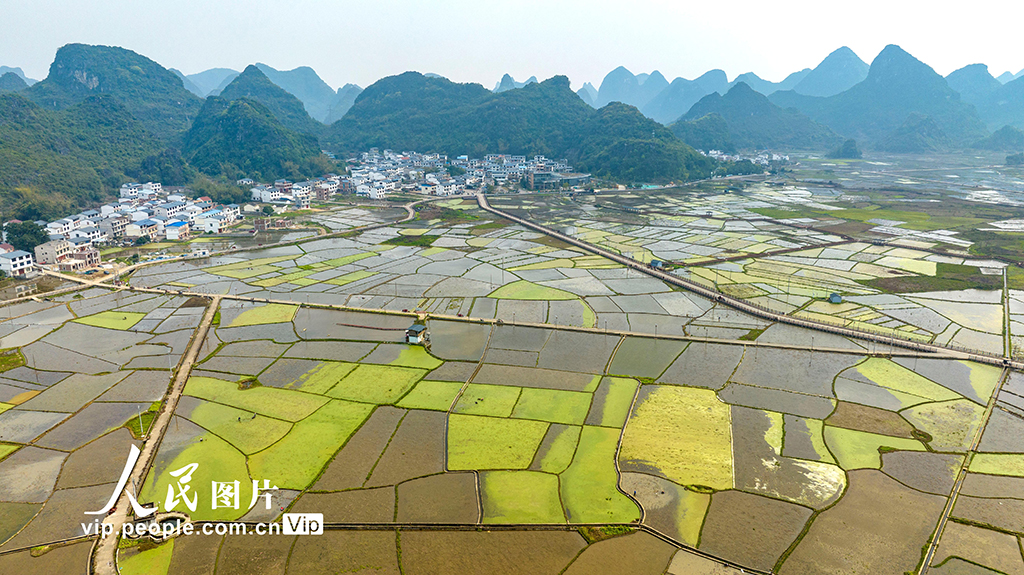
{"x":632,"y":127}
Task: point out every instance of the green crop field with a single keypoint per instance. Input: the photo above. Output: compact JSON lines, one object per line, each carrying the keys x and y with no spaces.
{"x":294,"y":461}
{"x":278,"y":403}
{"x":113,"y":319}
{"x":270,"y":313}
{"x":376,"y":383}
{"x":477,"y":442}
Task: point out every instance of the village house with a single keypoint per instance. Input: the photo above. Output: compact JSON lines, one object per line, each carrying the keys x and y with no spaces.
{"x":52,"y":252}
{"x":16,"y":263}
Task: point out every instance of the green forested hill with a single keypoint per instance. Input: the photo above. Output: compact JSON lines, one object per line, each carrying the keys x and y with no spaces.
{"x":150,"y":92}
{"x":11,"y":82}
{"x":55,"y":161}
{"x":708,"y":132}
{"x":243,"y":137}
{"x":618,"y":142}
{"x":415,"y":112}
{"x":254,"y":85}
{"x":1005,"y":139}
{"x":754,"y":122}
{"x":919,"y":133}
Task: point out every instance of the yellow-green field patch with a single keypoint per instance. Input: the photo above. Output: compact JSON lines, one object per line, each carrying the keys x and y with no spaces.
{"x":1011,"y":464}
{"x":295,"y":461}
{"x":270,"y":313}
{"x":561,"y":452}
{"x":477,"y":442}
{"x":323,"y":377}
{"x":520,"y":497}
{"x":416,"y":356}
{"x":898,"y":378}
{"x":589,"y":486}
{"x":433,"y":395}
{"x":492,"y":400}
{"x":685,"y":433}
{"x":153,"y":561}
{"x":285,"y":404}
{"x":376,"y":383}
{"x":556,"y":406}
{"x":350,"y":277}
{"x":525,"y":290}
{"x":217,"y":461}
{"x":239,"y":427}
{"x":121,"y":320}
{"x":860,"y":450}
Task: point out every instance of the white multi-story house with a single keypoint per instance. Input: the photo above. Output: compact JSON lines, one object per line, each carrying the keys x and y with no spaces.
{"x":16,"y":263}
{"x":60,"y":227}
{"x":130,"y":190}
{"x":214,"y":224}
{"x":447,"y":188}
{"x":231,"y":212}
{"x":170,"y":209}
{"x":92,"y":233}
{"x":265,"y":194}
{"x":154,"y":187}
{"x":302,"y":188}
{"x":190,"y":213}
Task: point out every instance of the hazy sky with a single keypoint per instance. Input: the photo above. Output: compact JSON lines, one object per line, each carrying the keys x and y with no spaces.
{"x":479,"y":40}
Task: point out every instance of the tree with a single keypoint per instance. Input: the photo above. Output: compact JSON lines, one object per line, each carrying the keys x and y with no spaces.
{"x":143,"y":240}
{"x":1015,"y":159}
{"x":25,"y":235}
{"x":268,"y":210}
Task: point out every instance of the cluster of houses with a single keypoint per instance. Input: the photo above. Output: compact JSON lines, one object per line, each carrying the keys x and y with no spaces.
{"x":298,"y":194}
{"x":143,"y":210}
{"x":376,"y":174}
{"x":149,"y":211}
{"x":764,"y":158}
{"x":380,"y":172}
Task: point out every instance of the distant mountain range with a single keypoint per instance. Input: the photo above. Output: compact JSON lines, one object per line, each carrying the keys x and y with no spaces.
{"x":17,"y":71}
{"x":999,"y":104}
{"x":1010,"y":76}
{"x":104,"y":114}
{"x":509,"y":83}
{"x":667,"y":102}
{"x":897,"y":86}
{"x":588,"y":93}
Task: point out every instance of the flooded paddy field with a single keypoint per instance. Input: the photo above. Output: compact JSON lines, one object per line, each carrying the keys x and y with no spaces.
{"x":81,"y":373}
{"x":770,"y":447}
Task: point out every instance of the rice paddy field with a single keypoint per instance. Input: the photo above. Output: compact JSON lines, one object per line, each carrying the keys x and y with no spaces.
{"x":897,"y":269}
{"x":609,"y":423}
{"x":91,"y":369}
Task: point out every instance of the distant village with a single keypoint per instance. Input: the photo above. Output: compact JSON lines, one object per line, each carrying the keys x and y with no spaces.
{"x":149,"y":211}
{"x":764,"y":158}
